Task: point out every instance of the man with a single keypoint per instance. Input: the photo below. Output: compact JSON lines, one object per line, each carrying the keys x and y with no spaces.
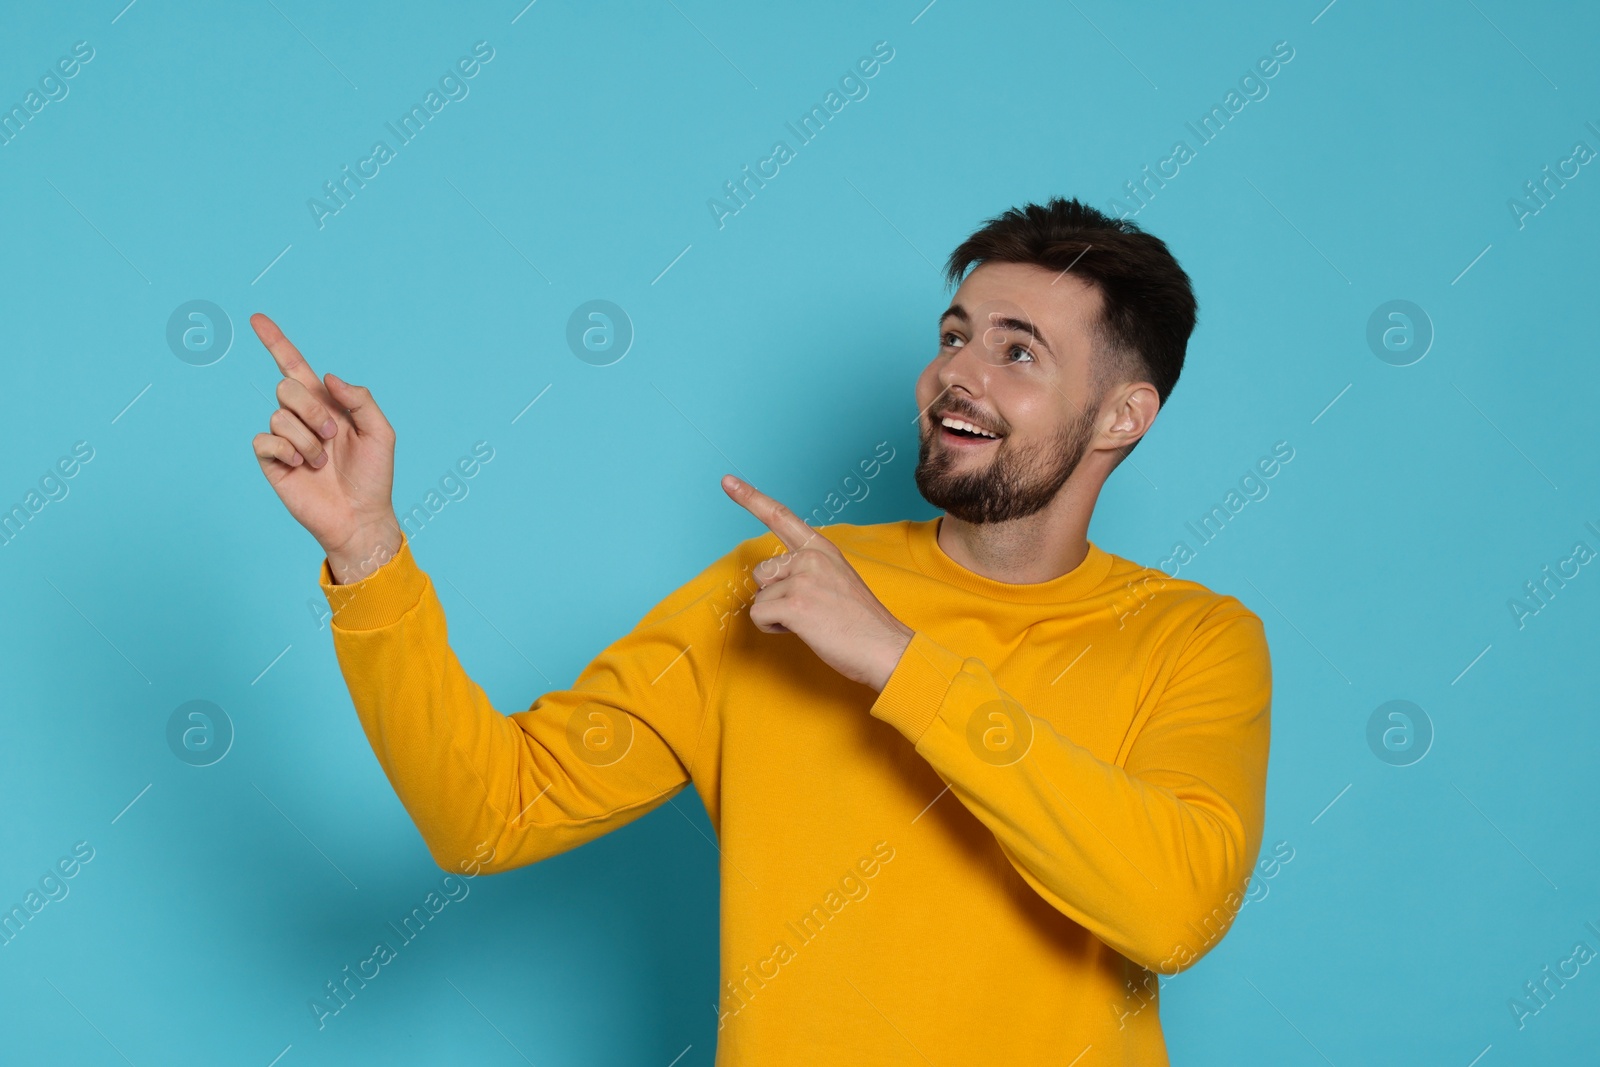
{"x":976,"y":781}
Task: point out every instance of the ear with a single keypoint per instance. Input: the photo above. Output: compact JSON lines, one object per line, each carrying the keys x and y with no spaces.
{"x":1131,"y":414}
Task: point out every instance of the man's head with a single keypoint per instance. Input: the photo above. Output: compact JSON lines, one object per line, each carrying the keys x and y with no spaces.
{"x":1063,"y":341}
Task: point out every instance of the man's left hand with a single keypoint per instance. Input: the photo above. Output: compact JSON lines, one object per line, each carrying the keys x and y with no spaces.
{"x":813,"y":592}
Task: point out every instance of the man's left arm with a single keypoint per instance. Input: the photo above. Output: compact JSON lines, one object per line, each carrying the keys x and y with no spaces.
{"x":1153,"y":857}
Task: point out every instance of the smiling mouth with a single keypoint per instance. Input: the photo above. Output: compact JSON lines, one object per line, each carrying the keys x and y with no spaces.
{"x":962,"y":439}
{"x":963,"y":436}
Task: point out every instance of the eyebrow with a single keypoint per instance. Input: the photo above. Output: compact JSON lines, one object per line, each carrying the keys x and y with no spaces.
{"x":958,"y":312}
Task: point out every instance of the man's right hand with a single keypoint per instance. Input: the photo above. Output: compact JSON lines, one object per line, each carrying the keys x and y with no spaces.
{"x":330,"y":458}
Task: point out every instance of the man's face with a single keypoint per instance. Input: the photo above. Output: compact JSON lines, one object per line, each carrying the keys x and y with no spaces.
{"x":1014,"y":360}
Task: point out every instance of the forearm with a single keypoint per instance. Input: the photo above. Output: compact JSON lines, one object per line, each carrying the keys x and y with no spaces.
{"x":1146,"y":862}
{"x":1144,"y":869}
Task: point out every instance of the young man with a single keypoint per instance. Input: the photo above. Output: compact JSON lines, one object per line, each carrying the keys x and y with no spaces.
{"x":975,"y":781}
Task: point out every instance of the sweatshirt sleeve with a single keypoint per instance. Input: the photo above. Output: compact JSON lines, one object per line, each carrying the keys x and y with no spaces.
{"x":500,"y":791}
{"x":1152,"y":857}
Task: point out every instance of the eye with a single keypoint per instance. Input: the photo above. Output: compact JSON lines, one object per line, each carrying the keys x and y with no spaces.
{"x":1023,"y":350}
{"x":944,"y":339}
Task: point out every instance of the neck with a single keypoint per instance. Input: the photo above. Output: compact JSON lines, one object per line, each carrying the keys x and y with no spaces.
{"x":1037,"y":548}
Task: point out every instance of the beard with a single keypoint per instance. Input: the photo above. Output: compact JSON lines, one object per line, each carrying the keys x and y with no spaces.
{"x":1012,"y":484}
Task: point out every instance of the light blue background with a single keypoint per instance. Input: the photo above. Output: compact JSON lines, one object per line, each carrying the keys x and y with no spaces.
{"x":783,"y":346}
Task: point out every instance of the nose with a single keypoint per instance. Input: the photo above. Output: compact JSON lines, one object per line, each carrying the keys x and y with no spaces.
{"x":967,"y":370}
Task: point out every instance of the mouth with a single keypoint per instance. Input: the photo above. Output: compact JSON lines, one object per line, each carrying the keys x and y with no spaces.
{"x":961,"y":433}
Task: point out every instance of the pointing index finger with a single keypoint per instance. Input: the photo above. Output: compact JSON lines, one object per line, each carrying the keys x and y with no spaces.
{"x":792,"y":530}
{"x":284,"y":354}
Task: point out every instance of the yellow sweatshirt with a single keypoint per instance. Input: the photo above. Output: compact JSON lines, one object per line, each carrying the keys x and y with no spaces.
{"x":1057,"y":796}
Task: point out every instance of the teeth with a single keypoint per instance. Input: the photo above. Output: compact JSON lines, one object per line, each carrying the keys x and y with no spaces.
{"x":957,"y":424}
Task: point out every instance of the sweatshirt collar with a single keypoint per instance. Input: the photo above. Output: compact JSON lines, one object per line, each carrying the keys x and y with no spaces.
{"x":923,"y":542}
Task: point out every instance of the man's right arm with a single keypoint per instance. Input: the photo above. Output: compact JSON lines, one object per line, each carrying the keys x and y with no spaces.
{"x":578,"y":763}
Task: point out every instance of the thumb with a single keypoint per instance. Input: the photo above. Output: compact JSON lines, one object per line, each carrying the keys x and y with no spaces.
{"x":357,"y":401}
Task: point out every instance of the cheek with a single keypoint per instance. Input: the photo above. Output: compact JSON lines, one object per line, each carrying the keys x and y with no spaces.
{"x":1028,"y":412}
{"x":927,"y":385}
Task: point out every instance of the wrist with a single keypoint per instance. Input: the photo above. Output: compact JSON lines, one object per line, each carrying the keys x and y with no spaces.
{"x":895,"y":651}
{"x":368,"y":549}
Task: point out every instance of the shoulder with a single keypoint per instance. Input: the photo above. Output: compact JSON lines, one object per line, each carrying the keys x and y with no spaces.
{"x":1188,"y":608}
{"x":1197,"y":636}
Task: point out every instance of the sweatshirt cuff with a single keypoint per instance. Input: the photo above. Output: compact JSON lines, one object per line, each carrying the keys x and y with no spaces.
{"x":915,"y":692}
{"x":381,"y":598}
